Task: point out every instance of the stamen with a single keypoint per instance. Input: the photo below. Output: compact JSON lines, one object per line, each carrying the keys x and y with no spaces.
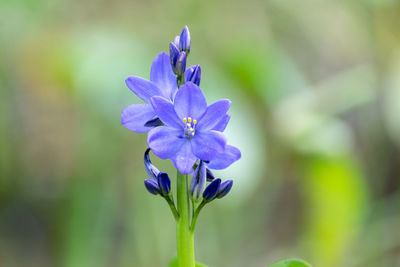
{"x":190,"y":126}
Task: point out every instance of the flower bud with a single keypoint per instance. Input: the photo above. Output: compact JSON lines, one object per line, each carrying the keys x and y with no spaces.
{"x":173,"y":55}
{"x":164,"y":183}
{"x":151,"y":170}
{"x":152,"y":186}
{"x":176,"y":41}
{"x":224,"y":188}
{"x":211,"y":190}
{"x":181,"y":63}
{"x":193,"y":74}
{"x":184,"y":40}
{"x":198,"y":181}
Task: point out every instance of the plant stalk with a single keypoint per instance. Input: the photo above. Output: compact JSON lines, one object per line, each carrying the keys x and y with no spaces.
{"x":195,"y":216}
{"x":184,"y":237}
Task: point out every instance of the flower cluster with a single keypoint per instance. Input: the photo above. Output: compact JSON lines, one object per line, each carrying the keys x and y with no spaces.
{"x":180,"y":125}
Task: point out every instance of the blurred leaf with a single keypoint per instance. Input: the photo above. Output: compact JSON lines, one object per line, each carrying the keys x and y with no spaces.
{"x":291,"y":263}
{"x":336,"y":192}
{"x":174,"y":263}
{"x":259,"y":70}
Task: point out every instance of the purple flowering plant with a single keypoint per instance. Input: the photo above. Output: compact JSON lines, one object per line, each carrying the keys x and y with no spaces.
{"x":183,"y":128}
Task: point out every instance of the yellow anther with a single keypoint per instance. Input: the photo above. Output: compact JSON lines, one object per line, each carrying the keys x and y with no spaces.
{"x":194,"y":121}
{"x":184,"y":120}
{"x":188,"y":125}
{"x":190,"y":119}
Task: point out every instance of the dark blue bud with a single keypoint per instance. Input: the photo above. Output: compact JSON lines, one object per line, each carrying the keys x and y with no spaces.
{"x":173,"y":55}
{"x":152,"y":186}
{"x":164,"y":183}
{"x":176,"y":41}
{"x":210,"y":175}
{"x":151,"y":170}
{"x":153,"y":122}
{"x":211,"y":190}
{"x":198,"y":181}
{"x":184,"y":40}
{"x":224,"y":188}
{"x":193,"y":74}
{"x":181,"y":63}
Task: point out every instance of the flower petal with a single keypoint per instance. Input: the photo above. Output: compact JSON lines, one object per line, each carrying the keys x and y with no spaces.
{"x":134,"y":117}
{"x":190,"y":101}
{"x":206,"y":145}
{"x":162,"y":75}
{"x":184,"y":158}
{"x":165,"y":141}
{"x":166,"y":112}
{"x":223,"y":160}
{"x":143,"y":88}
{"x":221,"y":125}
{"x":214,"y":113}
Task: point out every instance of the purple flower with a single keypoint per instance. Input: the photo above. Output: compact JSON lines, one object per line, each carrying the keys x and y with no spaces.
{"x":225,"y":159}
{"x":191,"y":130}
{"x":222,"y":161}
{"x":162,"y":83}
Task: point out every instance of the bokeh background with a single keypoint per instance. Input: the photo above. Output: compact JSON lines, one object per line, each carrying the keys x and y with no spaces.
{"x":315,"y":87}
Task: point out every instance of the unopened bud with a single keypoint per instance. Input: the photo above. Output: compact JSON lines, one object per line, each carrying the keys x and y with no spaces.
{"x":184,"y":40}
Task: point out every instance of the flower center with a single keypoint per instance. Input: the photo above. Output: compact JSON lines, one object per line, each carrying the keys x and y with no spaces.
{"x":190,"y":125}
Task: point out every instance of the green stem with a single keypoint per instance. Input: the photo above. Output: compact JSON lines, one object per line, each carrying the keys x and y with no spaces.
{"x":180,"y":80}
{"x":195,"y":216}
{"x":184,"y":237}
{"x":172,"y":207}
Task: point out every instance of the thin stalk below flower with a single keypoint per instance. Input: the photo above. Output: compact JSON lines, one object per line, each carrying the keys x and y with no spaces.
{"x":184,"y":237}
{"x":172,"y":207}
{"x":196,"y":215}
{"x":180,"y":80}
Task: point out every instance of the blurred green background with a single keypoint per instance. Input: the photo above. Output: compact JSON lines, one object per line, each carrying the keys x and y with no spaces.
{"x":315,"y":87}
